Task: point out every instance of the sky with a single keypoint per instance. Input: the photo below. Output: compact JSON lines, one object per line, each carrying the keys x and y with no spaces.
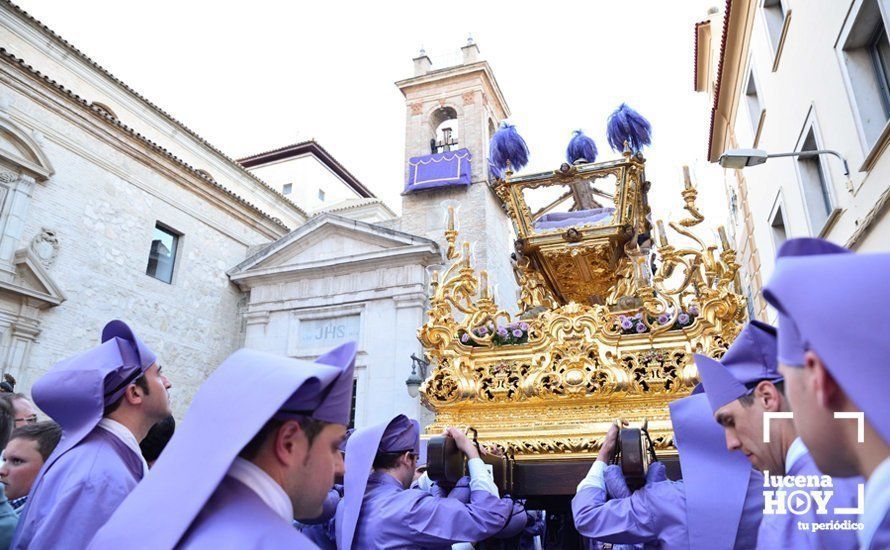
{"x":253,"y":76}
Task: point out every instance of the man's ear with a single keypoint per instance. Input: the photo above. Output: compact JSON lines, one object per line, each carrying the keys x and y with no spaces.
{"x":290,"y":443}
{"x":769,"y":396}
{"x":406,"y":460}
{"x":134,"y":394}
{"x":819,"y":381}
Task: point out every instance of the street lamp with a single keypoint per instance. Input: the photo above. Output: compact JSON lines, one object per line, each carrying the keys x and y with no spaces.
{"x":741,"y":158}
{"x":415,"y":379}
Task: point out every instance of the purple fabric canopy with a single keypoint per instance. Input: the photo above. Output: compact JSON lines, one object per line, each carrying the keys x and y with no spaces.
{"x":557,"y":220}
{"x":448,"y":169}
{"x":231,"y":406}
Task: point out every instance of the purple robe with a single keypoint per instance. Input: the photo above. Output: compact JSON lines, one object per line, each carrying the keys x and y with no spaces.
{"x":90,"y":471}
{"x":881,"y":537}
{"x":235,"y":518}
{"x":780,"y":530}
{"x":655,"y":516}
{"x":393,"y":517}
{"x":520,"y":520}
{"x":79,"y":492}
{"x":685,"y":514}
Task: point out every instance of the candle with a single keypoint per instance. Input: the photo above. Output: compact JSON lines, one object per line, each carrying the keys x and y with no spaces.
{"x":483,"y":282}
{"x":465,"y":249}
{"x":450,"y":218}
{"x":434,"y":280}
{"x":723,"y":240}
{"x":687,"y":179}
{"x":662,"y":236}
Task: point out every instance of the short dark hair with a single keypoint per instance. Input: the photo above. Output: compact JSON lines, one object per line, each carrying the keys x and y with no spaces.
{"x":141,"y":382}
{"x":310,"y":426}
{"x":47,"y":435}
{"x":387,"y":461}
{"x":157,"y":438}
{"x":748,"y":399}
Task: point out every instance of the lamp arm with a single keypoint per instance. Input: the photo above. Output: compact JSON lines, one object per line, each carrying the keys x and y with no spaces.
{"x":813,"y":154}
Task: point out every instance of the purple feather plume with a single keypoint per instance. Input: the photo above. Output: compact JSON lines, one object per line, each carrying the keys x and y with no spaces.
{"x":581,"y":147}
{"x":625,"y":124}
{"x":507,"y":144}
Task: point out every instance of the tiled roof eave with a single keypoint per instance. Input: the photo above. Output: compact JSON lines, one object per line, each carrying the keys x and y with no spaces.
{"x":86,"y":59}
{"x":20,"y":63}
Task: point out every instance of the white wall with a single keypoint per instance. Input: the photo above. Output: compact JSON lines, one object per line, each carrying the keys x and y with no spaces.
{"x":809,"y":83}
{"x":308,"y":175}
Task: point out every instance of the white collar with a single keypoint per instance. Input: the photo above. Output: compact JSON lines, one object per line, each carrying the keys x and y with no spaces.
{"x":877,"y":502}
{"x":124,"y":434}
{"x":796,"y":451}
{"x":264,"y":486}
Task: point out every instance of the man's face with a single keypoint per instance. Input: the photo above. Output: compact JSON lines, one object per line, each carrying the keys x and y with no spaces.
{"x":816,"y":425}
{"x":156,"y":404}
{"x":743,"y":426}
{"x":312,"y":478}
{"x":22,"y":463}
{"x":25,"y":413}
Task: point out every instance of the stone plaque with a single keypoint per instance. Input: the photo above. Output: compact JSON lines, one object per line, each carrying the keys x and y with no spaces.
{"x":324,"y":334}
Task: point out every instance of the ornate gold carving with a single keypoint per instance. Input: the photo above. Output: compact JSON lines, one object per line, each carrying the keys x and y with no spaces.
{"x":555,"y":394}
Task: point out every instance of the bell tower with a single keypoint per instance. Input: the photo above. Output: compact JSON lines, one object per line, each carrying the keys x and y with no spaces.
{"x":451,"y":114}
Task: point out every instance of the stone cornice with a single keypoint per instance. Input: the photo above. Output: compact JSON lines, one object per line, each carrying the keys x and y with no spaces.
{"x":398,"y":238}
{"x":77,"y":111}
{"x":369,"y":261}
{"x":458,"y":71}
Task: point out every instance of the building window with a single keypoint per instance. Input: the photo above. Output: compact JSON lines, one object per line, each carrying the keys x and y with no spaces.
{"x":774,"y":13}
{"x":777,"y":225}
{"x":879,"y":51}
{"x":321,"y":195}
{"x":162,"y":254}
{"x":287,"y":189}
{"x":816,"y":194}
{"x":865,"y":54}
{"x":755,"y":107}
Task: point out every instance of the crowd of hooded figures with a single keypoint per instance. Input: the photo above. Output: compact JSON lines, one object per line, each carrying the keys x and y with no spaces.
{"x":784,"y":444}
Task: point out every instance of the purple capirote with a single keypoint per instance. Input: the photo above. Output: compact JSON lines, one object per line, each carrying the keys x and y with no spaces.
{"x":836,"y":304}
{"x":750,"y":359}
{"x":234,"y":403}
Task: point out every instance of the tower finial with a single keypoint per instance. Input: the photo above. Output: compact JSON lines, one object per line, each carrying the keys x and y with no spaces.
{"x":470,"y":40}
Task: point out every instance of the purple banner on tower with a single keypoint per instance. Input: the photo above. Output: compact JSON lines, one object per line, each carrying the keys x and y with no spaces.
{"x":448,"y":169}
